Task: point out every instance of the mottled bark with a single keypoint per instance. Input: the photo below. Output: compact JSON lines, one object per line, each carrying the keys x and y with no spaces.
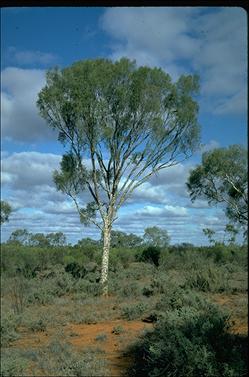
{"x":105,"y":257}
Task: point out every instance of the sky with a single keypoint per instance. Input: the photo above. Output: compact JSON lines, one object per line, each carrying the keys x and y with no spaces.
{"x":210,"y":42}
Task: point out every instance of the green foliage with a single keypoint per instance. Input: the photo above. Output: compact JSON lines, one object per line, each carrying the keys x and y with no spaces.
{"x":135,"y":311}
{"x":209,"y":233}
{"x":156,"y":237}
{"x":38,"y":325}
{"x":5,"y":211}
{"x":123,"y":240}
{"x":117,"y":330}
{"x":23,"y":237}
{"x":75,"y":269}
{"x":59,"y":358}
{"x":191,"y":339}
{"x":222,"y":178}
{"x":12,"y":364}
{"x":151,"y":255}
{"x":17,"y":290}
{"x":19,"y":236}
{"x":209,"y":278}
{"x":9,"y":324}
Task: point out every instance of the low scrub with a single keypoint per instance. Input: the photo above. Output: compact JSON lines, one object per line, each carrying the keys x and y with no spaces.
{"x":9,"y":324}
{"x":135,"y":311}
{"x":190,"y":342}
{"x":60,"y":359}
{"x":12,"y":364}
{"x":209,"y":278}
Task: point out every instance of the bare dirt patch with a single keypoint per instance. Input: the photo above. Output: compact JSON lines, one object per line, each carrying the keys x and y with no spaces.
{"x":237,"y":305}
{"x":114,"y":345}
{"x":100,"y":335}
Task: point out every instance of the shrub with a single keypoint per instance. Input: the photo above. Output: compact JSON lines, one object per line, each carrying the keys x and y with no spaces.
{"x":87,"y":288}
{"x":60,"y":359}
{"x":131,"y":312}
{"x":75,"y":269}
{"x":101,"y":337}
{"x":9,"y":324}
{"x":177,"y":298}
{"x":209,"y":278}
{"x":90,"y":317}
{"x":118,"y":330}
{"x":130,"y":289}
{"x":12,"y":364}
{"x":191,"y":343}
{"x":17,"y":289}
{"x":151,"y":255}
{"x":40,"y":296}
{"x":93,"y":277}
{"x":38,"y":325}
{"x":148,"y":291}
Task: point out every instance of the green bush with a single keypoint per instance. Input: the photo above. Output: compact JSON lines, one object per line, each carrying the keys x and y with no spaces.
{"x":118,"y":330}
{"x":38,"y":325}
{"x":87,"y":288}
{"x":208,"y":278}
{"x":190,"y":342}
{"x":131,"y":312}
{"x":12,"y":364}
{"x":151,"y":255}
{"x":75,"y":269}
{"x":176,"y":298}
{"x":129,"y":289}
{"x":9,"y":324}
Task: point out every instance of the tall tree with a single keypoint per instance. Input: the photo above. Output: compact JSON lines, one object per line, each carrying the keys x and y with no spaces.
{"x":5,"y":212}
{"x":222,"y":179}
{"x":122,"y":124}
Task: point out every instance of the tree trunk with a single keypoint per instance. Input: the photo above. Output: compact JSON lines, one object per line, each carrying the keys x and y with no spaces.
{"x":105,"y":257}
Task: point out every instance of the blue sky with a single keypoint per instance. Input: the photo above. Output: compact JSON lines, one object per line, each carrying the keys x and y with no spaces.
{"x":209,"y":41}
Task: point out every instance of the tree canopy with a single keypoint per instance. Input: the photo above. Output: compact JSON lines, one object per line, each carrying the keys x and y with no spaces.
{"x":222,"y":178}
{"x":5,"y":212}
{"x":126,"y":122}
{"x":122,"y":239}
{"x":156,"y":236}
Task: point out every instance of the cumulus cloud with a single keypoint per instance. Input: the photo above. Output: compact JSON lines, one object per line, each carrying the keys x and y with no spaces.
{"x":39,"y":207}
{"x":164,"y":211}
{"x":19,"y":115}
{"x":210,"y":42}
{"x":26,"y":170}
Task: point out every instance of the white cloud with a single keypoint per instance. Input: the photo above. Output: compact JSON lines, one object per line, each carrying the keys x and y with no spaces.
{"x":212,"y":43}
{"x":27,"y":170}
{"x":28,"y":57}
{"x":19,"y":115}
{"x":167,"y":210}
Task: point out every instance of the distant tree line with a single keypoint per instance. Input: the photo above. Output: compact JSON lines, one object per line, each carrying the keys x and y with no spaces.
{"x":153,"y":236}
{"x":23,"y":237}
